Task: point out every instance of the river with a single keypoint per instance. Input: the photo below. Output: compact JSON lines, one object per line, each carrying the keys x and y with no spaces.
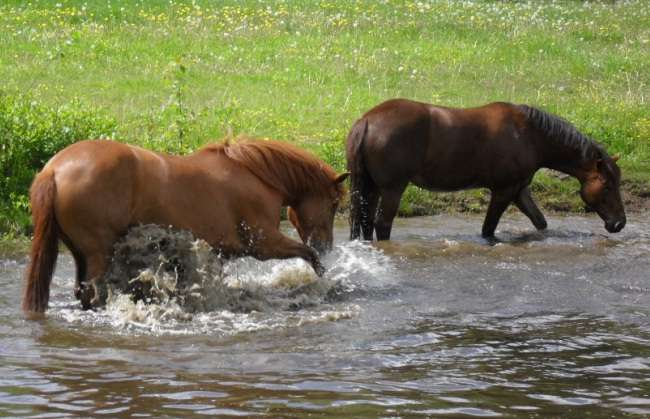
{"x":435,"y":323}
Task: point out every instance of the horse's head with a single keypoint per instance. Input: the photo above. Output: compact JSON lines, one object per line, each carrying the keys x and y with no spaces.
{"x":600,"y":191}
{"x":313,"y":216}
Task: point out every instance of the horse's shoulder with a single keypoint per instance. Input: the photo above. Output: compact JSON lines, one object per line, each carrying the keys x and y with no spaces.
{"x":140,"y":152}
{"x":504,"y":112}
{"x":498,"y":107}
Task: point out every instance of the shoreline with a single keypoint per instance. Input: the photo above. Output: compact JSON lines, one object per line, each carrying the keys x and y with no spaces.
{"x":636,"y":197}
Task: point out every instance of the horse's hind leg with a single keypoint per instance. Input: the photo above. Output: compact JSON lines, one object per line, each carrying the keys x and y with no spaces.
{"x":525,"y":203}
{"x":92,"y":252}
{"x":369,"y":209}
{"x":97,"y":265}
{"x":387,"y":211}
{"x":86,"y":289}
{"x":80,"y":263}
{"x":363,"y":206}
{"x":499,"y":201}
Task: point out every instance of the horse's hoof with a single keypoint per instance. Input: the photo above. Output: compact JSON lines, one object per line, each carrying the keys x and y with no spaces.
{"x":77,"y":293}
{"x":491,"y":240}
{"x":320,"y":270}
{"x":542,"y":225}
{"x":86,"y":295}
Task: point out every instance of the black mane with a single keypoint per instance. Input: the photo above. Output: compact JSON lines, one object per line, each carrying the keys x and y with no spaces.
{"x":560,"y":130}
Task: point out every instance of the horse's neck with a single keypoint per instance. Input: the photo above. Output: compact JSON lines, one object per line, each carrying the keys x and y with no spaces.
{"x":564,"y":159}
{"x":291,"y":201}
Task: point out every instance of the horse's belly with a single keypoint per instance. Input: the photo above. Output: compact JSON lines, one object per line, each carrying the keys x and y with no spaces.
{"x":442,"y":183}
{"x":207,"y":224}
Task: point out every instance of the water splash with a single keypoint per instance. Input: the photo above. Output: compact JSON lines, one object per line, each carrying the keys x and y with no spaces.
{"x":164,"y":281}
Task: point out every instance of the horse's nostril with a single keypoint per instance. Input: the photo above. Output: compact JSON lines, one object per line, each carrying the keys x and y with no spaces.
{"x":615,"y":226}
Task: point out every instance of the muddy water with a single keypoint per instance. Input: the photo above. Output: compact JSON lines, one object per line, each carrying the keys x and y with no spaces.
{"x":436,"y":323}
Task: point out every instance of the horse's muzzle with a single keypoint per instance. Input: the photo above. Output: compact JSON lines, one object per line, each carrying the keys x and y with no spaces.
{"x":615,"y":226}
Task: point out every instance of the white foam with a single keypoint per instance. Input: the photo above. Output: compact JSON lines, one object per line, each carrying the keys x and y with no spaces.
{"x":241,"y":295}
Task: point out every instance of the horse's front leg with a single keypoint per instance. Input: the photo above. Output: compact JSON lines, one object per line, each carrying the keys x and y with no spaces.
{"x":277,"y":246}
{"x":499,"y":201}
{"x":525,"y":203}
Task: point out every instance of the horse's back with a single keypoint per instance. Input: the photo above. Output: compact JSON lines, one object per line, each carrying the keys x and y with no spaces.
{"x":401,"y":118}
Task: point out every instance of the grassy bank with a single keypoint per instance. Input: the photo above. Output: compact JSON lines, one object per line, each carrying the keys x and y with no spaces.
{"x":172,"y":75}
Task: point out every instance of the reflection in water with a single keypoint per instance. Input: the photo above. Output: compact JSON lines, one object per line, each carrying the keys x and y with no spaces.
{"x":435,"y":323}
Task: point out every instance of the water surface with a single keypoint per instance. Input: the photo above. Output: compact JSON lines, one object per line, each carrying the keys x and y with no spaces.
{"x":435,"y":323}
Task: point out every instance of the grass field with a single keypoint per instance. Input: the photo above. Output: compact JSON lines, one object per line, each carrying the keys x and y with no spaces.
{"x":173,"y":75}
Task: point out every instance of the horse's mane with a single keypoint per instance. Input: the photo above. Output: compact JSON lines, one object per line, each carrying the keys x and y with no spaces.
{"x":562,"y":131}
{"x":282,"y":166}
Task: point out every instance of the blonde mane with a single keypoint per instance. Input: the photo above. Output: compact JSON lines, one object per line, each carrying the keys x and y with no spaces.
{"x":291,"y":170}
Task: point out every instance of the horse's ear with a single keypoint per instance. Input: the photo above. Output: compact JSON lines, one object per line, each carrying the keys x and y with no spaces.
{"x":340,"y":178}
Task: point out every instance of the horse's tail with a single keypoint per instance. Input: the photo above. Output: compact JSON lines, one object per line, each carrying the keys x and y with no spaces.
{"x":44,"y":244}
{"x":358,"y":174}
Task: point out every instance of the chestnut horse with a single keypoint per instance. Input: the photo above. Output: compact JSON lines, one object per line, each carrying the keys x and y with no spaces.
{"x":230,"y":195}
{"x":498,"y":146}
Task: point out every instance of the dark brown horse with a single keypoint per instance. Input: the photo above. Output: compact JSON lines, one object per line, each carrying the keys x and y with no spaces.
{"x":498,"y":146}
{"x":230,"y":195}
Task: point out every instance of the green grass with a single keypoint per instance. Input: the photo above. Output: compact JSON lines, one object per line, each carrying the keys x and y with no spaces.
{"x":177,"y":74}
